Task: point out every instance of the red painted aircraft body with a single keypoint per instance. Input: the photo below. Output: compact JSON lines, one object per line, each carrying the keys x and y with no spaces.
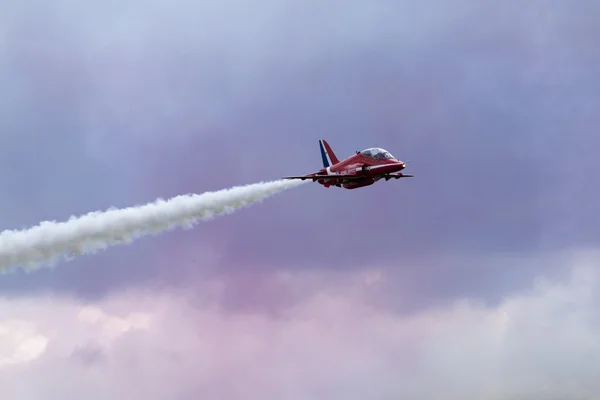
{"x":364,"y":168}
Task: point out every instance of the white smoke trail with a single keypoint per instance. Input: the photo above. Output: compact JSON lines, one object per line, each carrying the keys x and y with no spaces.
{"x":46,"y":242}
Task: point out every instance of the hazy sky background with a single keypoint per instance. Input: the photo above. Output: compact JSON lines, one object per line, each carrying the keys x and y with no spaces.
{"x":320,"y":293}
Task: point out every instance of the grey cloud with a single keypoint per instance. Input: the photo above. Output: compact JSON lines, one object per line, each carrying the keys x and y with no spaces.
{"x":494,"y":104}
{"x":88,"y":356}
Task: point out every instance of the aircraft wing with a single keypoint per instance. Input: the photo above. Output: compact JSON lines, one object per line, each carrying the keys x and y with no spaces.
{"x":348,"y":177}
{"x":330,"y":177}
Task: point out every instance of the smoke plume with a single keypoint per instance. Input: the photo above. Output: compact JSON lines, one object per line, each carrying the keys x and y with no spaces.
{"x":47,"y":242}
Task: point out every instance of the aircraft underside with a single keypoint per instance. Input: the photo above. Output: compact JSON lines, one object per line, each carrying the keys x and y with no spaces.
{"x":348,"y":183}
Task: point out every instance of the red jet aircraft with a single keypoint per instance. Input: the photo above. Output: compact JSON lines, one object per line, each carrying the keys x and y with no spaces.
{"x":361,"y":169}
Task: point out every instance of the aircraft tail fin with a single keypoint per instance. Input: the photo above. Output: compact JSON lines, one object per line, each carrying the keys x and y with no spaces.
{"x":327,"y":154}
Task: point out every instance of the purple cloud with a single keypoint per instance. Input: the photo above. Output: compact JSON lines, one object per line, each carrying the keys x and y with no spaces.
{"x":460,"y":283}
{"x":495,"y":105}
{"x":335,"y":336}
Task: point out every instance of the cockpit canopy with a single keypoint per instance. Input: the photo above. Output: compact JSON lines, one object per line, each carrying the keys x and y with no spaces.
{"x":377,"y":153}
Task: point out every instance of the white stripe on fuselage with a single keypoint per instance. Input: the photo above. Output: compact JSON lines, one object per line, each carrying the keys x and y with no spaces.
{"x":383,"y":165}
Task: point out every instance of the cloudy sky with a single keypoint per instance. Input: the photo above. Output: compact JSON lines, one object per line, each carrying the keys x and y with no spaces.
{"x":476,"y":279}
